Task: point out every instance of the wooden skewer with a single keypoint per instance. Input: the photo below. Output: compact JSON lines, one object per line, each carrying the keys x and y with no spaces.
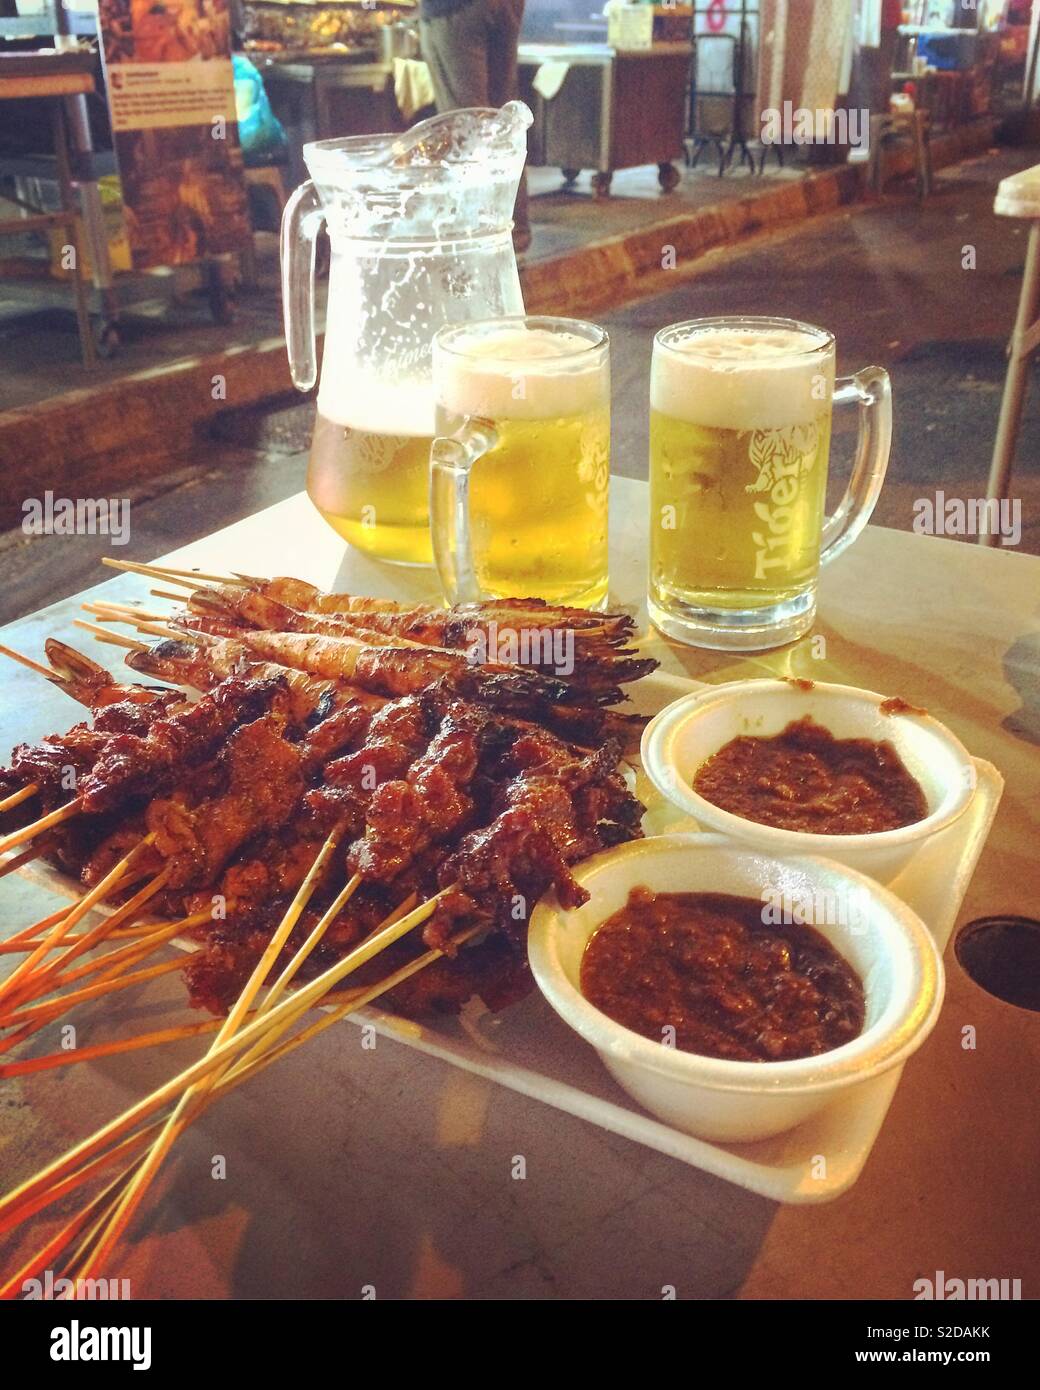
{"x":112,"y":923}
{"x":181,"y":1116}
{"x":357,"y":999}
{"x":228,"y":1082}
{"x":47,"y":822}
{"x":37,"y":984}
{"x":125,"y":610}
{"x":292,"y":969}
{"x":190,"y":1030}
{"x":20,"y":947}
{"x":79,"y":911}
{"x":16,"y":798}
{"x":114,"y":639}
{"x":156,"y":629}
{"x":45,"y":1013}
{"x":29,"y":1021}
{"x":233,"y":1077}
{"x":111,"y":1049}
{"x":29,"y":933}
{"x":18,"y":861}
{"x":128,"y":912}
{"x":165,"y":593}
{"x":243,"y":1069}
{"x":134,"y":950}
{"x":23,"y":1198}
{"x":27,"y":661}
{"x":170,"y":573}
{"x":43,"y":1259}
{"x":11,"y":948}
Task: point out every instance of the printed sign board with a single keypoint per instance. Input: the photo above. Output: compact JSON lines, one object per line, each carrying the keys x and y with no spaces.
{"x":172,"y":103}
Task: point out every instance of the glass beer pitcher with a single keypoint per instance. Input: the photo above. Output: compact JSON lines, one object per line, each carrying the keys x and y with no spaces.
{"x":420,"y":225}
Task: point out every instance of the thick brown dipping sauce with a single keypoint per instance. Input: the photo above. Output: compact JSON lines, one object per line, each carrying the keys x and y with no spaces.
{"x":805,"y":779}
{"x":731,"y":986}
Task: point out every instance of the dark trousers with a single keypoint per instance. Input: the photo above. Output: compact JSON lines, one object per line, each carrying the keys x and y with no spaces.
{"x":471,"y":55}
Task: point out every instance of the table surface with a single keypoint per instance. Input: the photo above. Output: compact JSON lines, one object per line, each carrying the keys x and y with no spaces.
{"x":348,"y":1168}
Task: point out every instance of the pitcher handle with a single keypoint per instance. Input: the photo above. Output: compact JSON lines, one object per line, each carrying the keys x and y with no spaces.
{"x":871,"y":391}
{"x":301,"y":222}
{"x":451,"y":459}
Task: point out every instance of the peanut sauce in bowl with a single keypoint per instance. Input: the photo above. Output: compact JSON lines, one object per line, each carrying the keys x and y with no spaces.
{"x":786,"y":1019}
{"x":800,"y":767}
{"x":804,"y":778}
{"x":704,"y":973}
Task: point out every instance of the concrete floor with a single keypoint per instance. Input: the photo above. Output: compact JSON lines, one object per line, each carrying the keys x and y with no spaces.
{"x":887,"y":277}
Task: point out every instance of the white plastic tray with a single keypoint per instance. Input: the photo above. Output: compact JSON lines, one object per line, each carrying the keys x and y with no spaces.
{"x":530,"y":1050}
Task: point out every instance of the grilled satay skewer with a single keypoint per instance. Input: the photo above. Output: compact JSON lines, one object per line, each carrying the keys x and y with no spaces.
{"x":190,"y":842}
{"x":544,"y":798}
{"x":387,"y":671}
{"x":426,"y":623}
{"x":491,"y":640}
{"x":128,"y":708}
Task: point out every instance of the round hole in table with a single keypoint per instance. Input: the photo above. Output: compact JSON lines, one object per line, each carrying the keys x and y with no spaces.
{"x":1002,"y":954}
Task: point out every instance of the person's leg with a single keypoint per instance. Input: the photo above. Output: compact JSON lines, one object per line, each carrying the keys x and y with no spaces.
{"x":504,"y":38}
{"x":455,"y":47}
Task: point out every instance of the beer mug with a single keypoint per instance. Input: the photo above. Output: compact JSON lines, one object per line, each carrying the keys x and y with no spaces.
{"x":740,"y":423}
{"x":520,"y":468}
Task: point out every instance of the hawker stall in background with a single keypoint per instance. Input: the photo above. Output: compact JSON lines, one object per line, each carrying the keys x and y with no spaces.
{"x":119,"y":191}
{"x":144,"y":160}
{"x":345,"y":68}
{"x":954,"y":57}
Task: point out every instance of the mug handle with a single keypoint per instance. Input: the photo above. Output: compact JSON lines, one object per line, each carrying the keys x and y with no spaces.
{"x":302,"y":220}
{"x":451,"y":459}
{"x":871,"y":391}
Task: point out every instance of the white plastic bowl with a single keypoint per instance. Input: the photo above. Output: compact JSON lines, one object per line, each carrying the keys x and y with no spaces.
{"x":727,"y":1101}
{"x":686,"y":733}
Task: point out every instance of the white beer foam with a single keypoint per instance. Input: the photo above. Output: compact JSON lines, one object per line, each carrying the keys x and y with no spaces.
{"x":521,"y":374}
{"x":742,"y":378}
{"x":361,"y":400}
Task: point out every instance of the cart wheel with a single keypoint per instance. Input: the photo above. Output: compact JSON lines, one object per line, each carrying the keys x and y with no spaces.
{"x":570,"y":176}
{"x":668,"y":177}
{"x":107,"y":341}
{"x":221,"y":304}
{"x":601,"y":184}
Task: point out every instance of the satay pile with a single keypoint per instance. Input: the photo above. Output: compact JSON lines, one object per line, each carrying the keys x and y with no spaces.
{"x":483,"y":781}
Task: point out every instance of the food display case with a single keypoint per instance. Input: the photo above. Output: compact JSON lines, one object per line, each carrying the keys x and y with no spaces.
{"x":329,"y":68}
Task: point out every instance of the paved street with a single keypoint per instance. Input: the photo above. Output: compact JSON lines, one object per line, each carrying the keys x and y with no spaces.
{"x":887,"y":277}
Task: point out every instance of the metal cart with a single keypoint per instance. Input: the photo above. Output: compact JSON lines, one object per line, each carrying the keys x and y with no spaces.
{"x":615,"y":109}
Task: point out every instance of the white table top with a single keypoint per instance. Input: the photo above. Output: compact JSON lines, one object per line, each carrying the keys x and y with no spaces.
{"x":347,"y":1167}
